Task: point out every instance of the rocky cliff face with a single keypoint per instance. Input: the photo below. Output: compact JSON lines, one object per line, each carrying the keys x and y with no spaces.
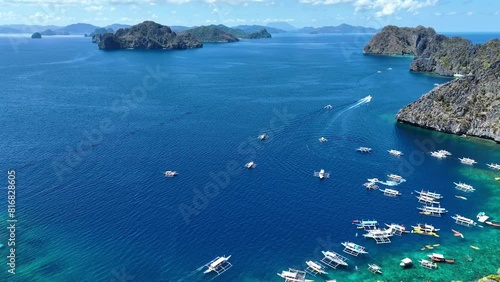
{"x":393,"y":40}
{"x":469,"y":105}
{"x":147,"y":35}
{"x":457,"y":55}
{"x":434,"y":53}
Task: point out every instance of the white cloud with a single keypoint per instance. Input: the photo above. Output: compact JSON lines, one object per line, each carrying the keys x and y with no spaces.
{"x":381,"y":7}
{"x":469,"y":13}
{"x":268,"y":20}
{"x":8,"y":16}
{"x":94,"y":8}
{"x":437,"y":14}
{"x":451,"y":13}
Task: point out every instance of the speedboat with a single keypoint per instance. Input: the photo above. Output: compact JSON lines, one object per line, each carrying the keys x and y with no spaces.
{"x":395,"y":152}
{"x":170,"y":173}
{"x":322,"y":140}
{"x":328,"y":107}
{"x":250,"y":165}
{"x":263,"y":136}
{"x":440,"y":258}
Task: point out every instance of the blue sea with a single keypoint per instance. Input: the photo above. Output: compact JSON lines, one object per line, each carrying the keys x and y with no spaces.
{"x":90,"y":133}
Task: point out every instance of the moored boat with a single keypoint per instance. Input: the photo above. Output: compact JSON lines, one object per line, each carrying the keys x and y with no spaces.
{"x":440,"y":258}
{"x":395,"y":152}
{"x":464,"y":187}
{"x":323,"y":139}
{"x":494,"y":166}
{"x":170,"y":173}
{"x":364,"y":149}
{"x":406,"y":263}
{"x":467,"y":161}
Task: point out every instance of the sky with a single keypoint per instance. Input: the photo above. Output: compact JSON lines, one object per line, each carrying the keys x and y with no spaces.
{"x":442,"y":15}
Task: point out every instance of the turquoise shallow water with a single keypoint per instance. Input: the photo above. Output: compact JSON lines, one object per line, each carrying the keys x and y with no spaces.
{"x":107,"y":213}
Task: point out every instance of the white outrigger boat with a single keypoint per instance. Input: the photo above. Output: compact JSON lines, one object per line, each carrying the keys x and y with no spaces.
{"x":364,"y":149}
{"x":425,"y":228}
{"x":375,"y":268}
{"x":428,"y":264}
{"x":373,"y":180}
{"x":482,"y":217}
{"x":446,"y":153}
{"x":365,"y":224}
{"x":424,"y":199}
{"x":170,"y":173}
{"x":323,"y":139}
{"x":263,"y":136}
{"x":397,"y":229}
{"x":464,"y":221}
{"x":467,"y":161}
{"x":395,"y":152}
{"x":294,"y":275}
{"x":390,"y":192}
{"x":438,"y":154}
{"x":371,"y":186}
{"x":353,"y":249}
{"x":328,"y":107}
{"x":250,"y":165}
{"x":464,"y":187}
{"x":395,"y":177}
{"x":333,"y":260}
{"x":429,"y":194}
{"x":494,"y":166}
{"x":431,"y":210}
{"x":381,"y":236}
{"x":406,"y":263}
{"x":322,"y":174}
{"x":315,"y":268}
{"x":218,"y":265}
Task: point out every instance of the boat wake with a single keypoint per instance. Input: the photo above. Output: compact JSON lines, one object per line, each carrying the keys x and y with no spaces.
{"x":365,"y":100}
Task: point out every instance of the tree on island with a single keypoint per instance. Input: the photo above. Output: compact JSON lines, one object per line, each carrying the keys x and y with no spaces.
{"x":36,"y":35}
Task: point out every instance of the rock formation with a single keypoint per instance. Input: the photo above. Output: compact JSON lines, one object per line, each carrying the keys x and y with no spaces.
{"x":469,"y":105}
{"x":147,"y":35}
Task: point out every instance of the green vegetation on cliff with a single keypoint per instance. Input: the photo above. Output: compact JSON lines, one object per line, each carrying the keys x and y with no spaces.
{"x":210,"y":34}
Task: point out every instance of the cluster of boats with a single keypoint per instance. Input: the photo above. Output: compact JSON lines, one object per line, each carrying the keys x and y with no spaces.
{"x":431,"y":206}
{"x":441,"y":154}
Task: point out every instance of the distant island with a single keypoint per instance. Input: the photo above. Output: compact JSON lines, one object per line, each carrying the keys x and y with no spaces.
{"x":147,"y":35}
{"x":239,"y":31}
{"x":36,"y":35}
{"x":223,"y":34}
{"x":210,"y":34}
{"x":469,"y":105}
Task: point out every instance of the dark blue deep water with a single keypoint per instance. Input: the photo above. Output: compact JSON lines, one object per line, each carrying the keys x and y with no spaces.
{"x":89,"y":133}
